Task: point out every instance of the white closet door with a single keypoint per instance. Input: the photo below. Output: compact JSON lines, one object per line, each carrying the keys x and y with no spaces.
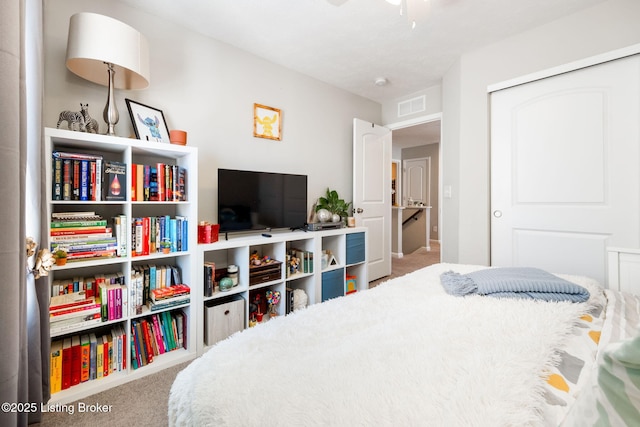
{"x":565,"y":162}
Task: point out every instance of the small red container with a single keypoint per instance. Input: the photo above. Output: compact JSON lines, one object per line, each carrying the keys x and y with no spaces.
{"x":208,"y":233}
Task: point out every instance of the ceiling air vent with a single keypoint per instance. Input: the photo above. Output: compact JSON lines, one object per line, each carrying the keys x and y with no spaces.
{"x":412,"y":106}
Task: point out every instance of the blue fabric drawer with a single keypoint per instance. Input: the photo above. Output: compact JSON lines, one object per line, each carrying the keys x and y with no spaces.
{"x":355,"y":248}
{"x":332,"y":284}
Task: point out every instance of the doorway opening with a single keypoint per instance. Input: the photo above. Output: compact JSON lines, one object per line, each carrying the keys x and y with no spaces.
{"x":414,"y":139}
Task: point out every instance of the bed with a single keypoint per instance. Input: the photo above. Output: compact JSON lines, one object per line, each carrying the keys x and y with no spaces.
{"x":408,"y":353}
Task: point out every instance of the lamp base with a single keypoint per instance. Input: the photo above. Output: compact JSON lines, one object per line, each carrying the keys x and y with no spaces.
{"x":111,"y":115}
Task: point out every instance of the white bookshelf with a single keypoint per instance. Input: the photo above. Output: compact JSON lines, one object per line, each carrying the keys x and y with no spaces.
{"x":130,"y":151}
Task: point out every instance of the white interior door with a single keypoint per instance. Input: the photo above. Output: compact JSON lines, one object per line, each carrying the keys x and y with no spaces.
{"x":372,"y":192}
{"x":565,"y":162}
{"x":416,"y":173}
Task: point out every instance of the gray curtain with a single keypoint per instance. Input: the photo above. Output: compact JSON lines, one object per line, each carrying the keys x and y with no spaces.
{"x":24,"y":354}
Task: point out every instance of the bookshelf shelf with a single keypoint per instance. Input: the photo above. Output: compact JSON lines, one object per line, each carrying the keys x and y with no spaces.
{"x":237,"y":249}
{"x":177,"y":161}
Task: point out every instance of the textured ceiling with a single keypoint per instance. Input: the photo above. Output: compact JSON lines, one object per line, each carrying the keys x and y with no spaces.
{"x":350,"y":43}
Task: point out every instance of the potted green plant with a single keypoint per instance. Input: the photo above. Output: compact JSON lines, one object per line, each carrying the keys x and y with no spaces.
{"x":60,"y":256}
{"x":334,"y":204}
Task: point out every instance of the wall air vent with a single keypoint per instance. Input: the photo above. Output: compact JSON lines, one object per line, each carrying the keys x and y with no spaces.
{"x":412,"y":106}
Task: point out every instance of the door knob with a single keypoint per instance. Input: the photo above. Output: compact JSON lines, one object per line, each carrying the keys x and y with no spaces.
{"x":359,"y":210}
{"x":497,"y":214}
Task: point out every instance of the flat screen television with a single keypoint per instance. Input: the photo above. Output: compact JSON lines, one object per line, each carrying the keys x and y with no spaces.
{"x":251,"y":200}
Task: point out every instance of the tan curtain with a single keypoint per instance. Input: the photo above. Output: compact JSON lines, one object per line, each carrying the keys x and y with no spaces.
{"x":23,"y":302}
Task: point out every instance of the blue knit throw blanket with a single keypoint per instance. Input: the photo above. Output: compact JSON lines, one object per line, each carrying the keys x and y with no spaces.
{"x":513,"y":282}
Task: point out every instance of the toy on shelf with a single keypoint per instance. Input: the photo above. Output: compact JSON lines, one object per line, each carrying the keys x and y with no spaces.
{"x":256,"y":310}
{"x":273,"y":298}
{"x":255,"y":259}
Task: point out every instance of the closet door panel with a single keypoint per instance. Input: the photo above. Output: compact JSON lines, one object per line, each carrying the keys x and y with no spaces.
{"x":565,"y":162}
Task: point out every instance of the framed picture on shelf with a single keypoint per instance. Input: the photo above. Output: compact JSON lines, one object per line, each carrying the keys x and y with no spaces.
{"x":267,"y":122}
{"x":148,"y":122}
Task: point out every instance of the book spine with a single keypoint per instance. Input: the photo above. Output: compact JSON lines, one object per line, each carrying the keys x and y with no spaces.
{"x":84,"y":180}
{"x":111,"y":304}
{"x":141,"y":345}
{"x":105,"y":356}
{"x":123,"y":235}
{"x":67,"y":363}
{"x":134,"y":182}
{"x":140,"y":182}
{"x":168,"y":326}
{"x":161,"y":179}
{"x":92,"y":356}
{"x":67,"y":176}
{"x":74,"y":238}
{"x":147,"y":183}
{"x":167,"y":304}
{"x":139,"y":233}
{"x":99,"y":358}
{"x":76,"y":180}
{"x":158,"y":334}
{"x":76,"y":224}
{"x":98,"y":180}
{"x":76,"y":361}
{"x":92,"y":180}
{"x":85,"y":353}
{"x":146,"y":235}
{"x":168,"y":185}
{"x":134,"y":360}
{"x":77,"y":303}
{"x":70,"y":155}
{"x":57,"y":180}
{"x":74,"y":312}
{"x":56,"y":367}
{"x":75,"y":232}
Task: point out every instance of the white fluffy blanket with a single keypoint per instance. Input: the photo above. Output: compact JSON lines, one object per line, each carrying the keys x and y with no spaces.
{"x":403,"y":353}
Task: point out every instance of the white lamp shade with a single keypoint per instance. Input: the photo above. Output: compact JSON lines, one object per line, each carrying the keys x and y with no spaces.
{"x":95,"y":39}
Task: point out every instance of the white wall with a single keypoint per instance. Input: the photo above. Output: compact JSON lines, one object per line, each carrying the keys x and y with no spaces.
{"x":208,"y":88}
{"x":465,"y":141}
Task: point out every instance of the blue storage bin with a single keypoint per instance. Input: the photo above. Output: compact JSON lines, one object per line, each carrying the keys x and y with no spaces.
{"x":332,"y":284}
{"x":355,"y":248}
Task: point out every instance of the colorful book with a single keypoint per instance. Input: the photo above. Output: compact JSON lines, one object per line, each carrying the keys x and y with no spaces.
{"x":67,"y":363}
{"x":115,"y":180}
{"x":76,"y":360}
{"x":85,"y":360}
{"x":93,"y":347}
{"x":55,"y":366}
{"x":99,"y":358}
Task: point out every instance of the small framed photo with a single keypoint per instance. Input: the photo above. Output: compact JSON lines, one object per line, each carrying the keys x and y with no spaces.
{"x":148,"y":122}
{"x":267,"y":122}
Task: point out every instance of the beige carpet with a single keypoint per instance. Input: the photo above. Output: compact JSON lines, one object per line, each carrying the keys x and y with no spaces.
{"x":412,"y":262}
{"x":144,"y":402}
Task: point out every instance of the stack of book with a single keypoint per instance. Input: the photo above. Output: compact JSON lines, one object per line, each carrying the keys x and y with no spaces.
{"x":80,"y":358}
{"x":168,"y":297}
{"x":81,"y":301}
{"x":71,"y":311}
{"x":145,"y":279}
{"x":85,"y":235}
{"x":156,"y":335}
